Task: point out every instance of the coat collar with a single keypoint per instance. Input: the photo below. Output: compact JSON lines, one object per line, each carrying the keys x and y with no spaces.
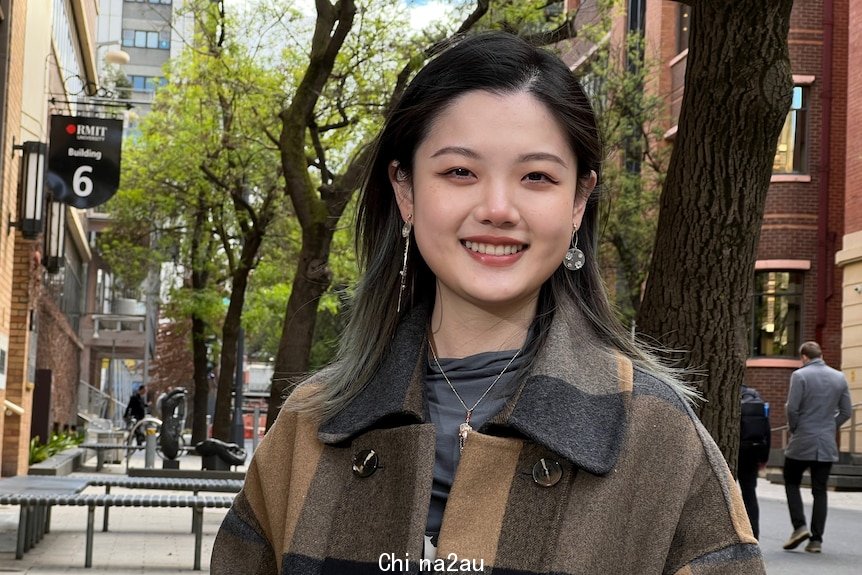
{"x":574,"y":400}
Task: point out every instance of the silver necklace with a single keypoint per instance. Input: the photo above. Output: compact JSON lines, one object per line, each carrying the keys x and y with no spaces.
{"x":465,"y":427}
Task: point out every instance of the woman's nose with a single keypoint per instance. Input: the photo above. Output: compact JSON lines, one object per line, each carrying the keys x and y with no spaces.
{"x":497,"y":205}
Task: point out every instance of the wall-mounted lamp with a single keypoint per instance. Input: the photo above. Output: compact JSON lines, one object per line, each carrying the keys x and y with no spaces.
{"x":55,"y":237}
{"x":119,"y":57}
{"x":33,"y":187}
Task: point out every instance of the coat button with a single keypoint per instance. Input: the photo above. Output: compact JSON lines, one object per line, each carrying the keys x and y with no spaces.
{"x":547,"y":472}
{"x":365,"y":463}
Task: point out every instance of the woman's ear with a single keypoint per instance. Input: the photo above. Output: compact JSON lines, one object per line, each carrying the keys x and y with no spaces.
{"x":402,"y":186}
{"x":586,"y":185}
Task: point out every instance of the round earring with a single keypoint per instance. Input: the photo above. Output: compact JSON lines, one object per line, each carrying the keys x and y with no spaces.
{"x":574,"y":258}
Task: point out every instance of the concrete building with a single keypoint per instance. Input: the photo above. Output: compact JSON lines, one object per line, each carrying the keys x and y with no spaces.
{"x":151,"y":32}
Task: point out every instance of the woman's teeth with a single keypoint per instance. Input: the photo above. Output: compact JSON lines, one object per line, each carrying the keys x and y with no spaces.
{"x":493,"y":250}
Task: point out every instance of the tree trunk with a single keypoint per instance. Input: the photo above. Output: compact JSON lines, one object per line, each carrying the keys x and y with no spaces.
{"x":698,"y":295}
{"x":311,"y":281}
{"x":201,"y":248}
{"x":230,"y":333}
{"x":201,"y":380}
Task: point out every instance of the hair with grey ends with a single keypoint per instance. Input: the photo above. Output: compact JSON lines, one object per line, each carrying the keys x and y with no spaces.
{"x":499,"y":63}
{"x":811,"y":350}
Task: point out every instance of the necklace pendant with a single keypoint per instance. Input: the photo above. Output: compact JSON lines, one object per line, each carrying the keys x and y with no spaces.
{"x":463,"y":430}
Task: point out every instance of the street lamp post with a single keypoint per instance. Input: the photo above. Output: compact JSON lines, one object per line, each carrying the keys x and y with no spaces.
{"x":238,"y":427}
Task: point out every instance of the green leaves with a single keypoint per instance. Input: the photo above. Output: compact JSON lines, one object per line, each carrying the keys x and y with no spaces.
{"x":636,"y":160}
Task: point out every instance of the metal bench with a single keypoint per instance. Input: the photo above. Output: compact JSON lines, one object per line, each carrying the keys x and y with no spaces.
{"x":35,"y":509}
{"x":165,"y":483}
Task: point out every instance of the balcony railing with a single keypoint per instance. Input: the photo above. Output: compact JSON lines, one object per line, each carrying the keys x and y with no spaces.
{"x":93,"y":403}
{"x":117,"y":322}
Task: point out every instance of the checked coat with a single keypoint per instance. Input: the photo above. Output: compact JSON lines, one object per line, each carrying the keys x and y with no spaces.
{"x":592,"y":467}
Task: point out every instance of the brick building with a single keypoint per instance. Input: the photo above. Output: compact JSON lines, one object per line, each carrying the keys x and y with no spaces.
{"x":849,"y":259}
{"x":13,"y":348}
{"x":48,"y":54}
{"x":804,"y":280}
{"x":50,"y":49}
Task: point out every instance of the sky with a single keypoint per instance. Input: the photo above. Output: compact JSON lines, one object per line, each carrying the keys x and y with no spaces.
{"x":421,"y":11}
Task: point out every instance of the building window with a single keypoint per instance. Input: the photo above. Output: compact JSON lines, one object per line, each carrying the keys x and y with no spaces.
{"x":150,"y":1}
{"x":146,"y":83}
{"x":791,"y":154}
{"x":683,"y":28}
{"x":146,"y":39}
{"x":777,"y":313}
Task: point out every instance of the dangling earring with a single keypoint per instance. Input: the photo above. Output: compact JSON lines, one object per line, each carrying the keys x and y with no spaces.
{"x":574,"y":258}
{"x":405,"y":233}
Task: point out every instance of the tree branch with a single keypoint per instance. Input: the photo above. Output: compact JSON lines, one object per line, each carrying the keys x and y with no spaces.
{"x":564,"y":31}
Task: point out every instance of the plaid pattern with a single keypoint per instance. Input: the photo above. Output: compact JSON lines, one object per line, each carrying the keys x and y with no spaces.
{"x":643,"y":490}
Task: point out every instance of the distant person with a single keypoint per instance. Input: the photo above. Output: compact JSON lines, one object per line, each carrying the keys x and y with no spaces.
{"x":818,"y":403}
{"x":137,"y":408}
{"x":754,"y":443}
{"x":138,"y":404}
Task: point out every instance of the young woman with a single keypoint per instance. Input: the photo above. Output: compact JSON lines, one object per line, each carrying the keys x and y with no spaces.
{"x":486,"y":412}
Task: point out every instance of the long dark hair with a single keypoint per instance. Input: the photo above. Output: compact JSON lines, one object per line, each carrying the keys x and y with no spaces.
{"x":499,"y":63}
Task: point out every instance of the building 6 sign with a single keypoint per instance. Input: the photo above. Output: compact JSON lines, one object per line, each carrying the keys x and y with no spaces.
{"x":84,"y":160}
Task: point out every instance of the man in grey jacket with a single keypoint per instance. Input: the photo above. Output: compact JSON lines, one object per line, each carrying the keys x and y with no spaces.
{"x":817,"y":404}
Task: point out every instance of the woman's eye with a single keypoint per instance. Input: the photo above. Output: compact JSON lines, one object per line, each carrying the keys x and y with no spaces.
{"x":460,"y":172}
{"x":539,"y":177}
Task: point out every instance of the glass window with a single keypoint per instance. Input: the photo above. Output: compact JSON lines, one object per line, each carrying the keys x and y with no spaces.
{"x":128,"y":37}
{"x":140,"y":39}
{"x":791,"y":154}
{"x":152,"y":39}
{"x":146,"y":83}
{"x":777,"y":313}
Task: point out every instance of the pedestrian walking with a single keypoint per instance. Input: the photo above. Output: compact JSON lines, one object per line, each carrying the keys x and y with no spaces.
{"x":138,"y":404}
{"x":136,"y":410}
{"x":818,"y":403}
{"x":486,"y":411}
{"x":754,"y":442}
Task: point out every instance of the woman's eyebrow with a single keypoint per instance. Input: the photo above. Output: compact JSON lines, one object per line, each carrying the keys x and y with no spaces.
{"x":472,"y":154}
{"x":458,"y":150}
{"x":542,"y":156}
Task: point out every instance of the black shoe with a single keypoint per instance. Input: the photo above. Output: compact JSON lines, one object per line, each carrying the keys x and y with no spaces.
{"x":798,"y":536}
{"x":814,"y":547}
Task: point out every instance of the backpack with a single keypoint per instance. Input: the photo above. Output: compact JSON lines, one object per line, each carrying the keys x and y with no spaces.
{"x":754,"y":429}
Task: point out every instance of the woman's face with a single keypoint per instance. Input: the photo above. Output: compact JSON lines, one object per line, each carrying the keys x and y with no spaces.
{"x":492,"y":200}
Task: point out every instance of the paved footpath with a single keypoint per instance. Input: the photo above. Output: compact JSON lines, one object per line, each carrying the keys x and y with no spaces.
{"x":842,"y":546}
{"x":140,"y":540}
{"x":165,"y":545}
